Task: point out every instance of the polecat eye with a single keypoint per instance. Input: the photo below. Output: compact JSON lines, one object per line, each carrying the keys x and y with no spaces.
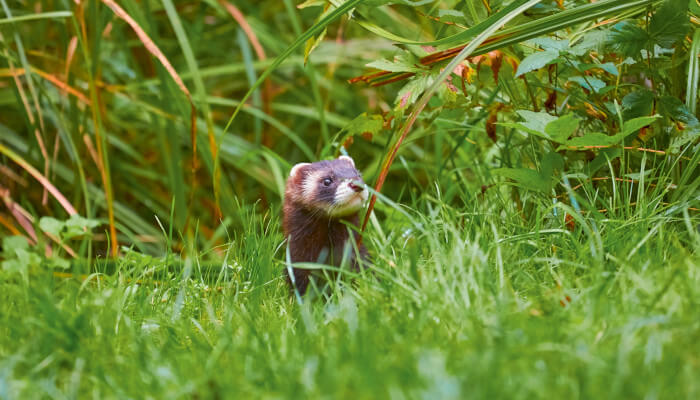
{"x":327,"y":181}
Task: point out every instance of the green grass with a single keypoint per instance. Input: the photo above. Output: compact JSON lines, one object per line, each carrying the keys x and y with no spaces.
{"x":574,"y":274}
{"x":472,"y":303}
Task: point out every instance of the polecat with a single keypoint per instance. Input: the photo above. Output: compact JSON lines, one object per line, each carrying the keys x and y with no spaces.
{"x":319,"y":200}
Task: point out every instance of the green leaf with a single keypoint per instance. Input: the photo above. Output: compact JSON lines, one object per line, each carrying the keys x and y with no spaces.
{"x":561,"y":128}
{"x":78,"y":226}
{"x":519,"y":126}
{"x":607,"y":67}
{"x":364,"y":124}
{"x":670,"y":23}
{"x":10,"y":244}
{"x":628,"y":39}
{"x":601,"y":139}
{"x":536,"y":120}
{"x":536,"y":61}
{"x":686,"y":136}
{"x":58,"y":262}
{"x":414,"y":88}
{"x":51,"y":225}
{"x":551,"y":163}
{"x":525,"y":178}
{"x":673,"y":108}
{"x":312,"y":43}
{"x":589,"y":83}
{"x":637,"y":104}
{"x":633,"y":125}
{"x":405,"y":62}
{"x":592,"y":139}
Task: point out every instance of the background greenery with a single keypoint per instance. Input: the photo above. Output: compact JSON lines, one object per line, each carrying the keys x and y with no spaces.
{"x":536,"y":235}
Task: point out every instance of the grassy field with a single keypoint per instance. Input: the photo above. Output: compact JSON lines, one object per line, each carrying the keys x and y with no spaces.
{"x":537,"y":236}
{"x":471,"y":303}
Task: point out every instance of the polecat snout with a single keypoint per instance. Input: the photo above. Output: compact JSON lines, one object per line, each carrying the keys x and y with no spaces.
{"x":318,"y":198}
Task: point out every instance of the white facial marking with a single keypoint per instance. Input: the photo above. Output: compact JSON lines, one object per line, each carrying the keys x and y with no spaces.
{"x":346,"y":158}
{"x":296,"y":168}
{"x":308,"y":187}
{"x":347,"y":201}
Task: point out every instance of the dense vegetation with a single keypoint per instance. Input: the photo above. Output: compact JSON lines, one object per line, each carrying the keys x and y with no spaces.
{"x":535,"y":234}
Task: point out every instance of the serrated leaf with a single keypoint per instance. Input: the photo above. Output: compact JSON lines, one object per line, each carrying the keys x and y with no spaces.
{"x":536,"y":61}
{"x":364,"y":123}
{"x":561,"y":128}
{"x":405,"y":62}
{"x":673,"y":108}
{"x":551,"y":44}
{"x":686,"y":136}
{"x":51,"y":225}
{"x":593,"y":40}
{"x":588,"y":82}
{"x":628,"y":39}
{"x":414,"y":88}
{"x":670,"y":23}
{"x":526,"y":178}
{"x":638,"y":103}
{"x":535,"y":120}
{"x":607,"y":67}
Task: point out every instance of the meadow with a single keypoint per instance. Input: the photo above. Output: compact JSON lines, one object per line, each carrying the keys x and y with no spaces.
{"x":535,"y":230}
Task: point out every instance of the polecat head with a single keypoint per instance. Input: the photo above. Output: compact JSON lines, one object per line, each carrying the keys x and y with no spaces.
{"x":333,"y":187}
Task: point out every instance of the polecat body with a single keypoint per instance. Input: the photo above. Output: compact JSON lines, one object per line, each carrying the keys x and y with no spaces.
{"x":320,"y":199}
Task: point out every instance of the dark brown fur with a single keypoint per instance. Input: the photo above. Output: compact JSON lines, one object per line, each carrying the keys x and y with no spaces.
{"x":313,"y":235}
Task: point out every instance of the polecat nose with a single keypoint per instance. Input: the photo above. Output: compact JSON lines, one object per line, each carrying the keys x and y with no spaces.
{"x":354,"y":187}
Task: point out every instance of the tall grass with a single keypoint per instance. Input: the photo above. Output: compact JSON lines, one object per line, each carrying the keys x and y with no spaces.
{"x":132,"y":118}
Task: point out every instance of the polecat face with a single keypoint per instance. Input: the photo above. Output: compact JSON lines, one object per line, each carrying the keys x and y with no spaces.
{"x":334,"y":187}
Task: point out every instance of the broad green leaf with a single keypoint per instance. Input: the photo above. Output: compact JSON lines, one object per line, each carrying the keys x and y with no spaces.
{"x":536,"y":61}
{"x":78,"y":226}
{"x":561,"y":128}
{"x":670,"y":23}
{"x":633,"y":125}
{"x":592,"y":139}
{"x":526,"y":178}
{"x":12,"y":243}
{"x":628,"y":38}
{"x":536,"y":120}
{"x":551,"y":163}
{"x":673,"y":108}
{"x":638,"y":103}
{"x":51,"y":225}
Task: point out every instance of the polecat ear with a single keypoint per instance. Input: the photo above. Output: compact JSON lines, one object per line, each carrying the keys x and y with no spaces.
{"x":297,"y":168}
{"x":346,"y":158}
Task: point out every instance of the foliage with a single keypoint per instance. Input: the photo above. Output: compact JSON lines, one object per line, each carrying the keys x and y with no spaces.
{"x":536,"y":234}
